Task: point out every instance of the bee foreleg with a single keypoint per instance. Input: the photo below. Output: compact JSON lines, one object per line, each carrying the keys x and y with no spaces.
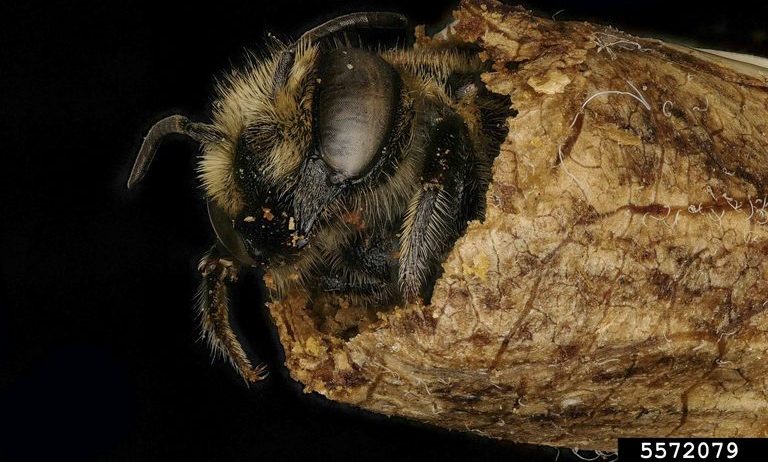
{"x":435,"y":217}
{"x":218,"y":272}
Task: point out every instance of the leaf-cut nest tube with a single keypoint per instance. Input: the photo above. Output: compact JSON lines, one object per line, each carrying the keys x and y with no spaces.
{"x":617,"y":286}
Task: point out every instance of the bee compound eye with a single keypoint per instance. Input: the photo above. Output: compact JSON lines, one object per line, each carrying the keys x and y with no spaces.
{"x":353,"y":109}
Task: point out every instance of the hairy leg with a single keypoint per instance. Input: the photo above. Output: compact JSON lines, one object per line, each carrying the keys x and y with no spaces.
{"x":218,"y":272}
{"x":365,"y":267}
{"x":436,"y":215}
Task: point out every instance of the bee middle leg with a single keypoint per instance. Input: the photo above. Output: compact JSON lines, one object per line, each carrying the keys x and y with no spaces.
{"x":219,"y":271}
{"x":366,"y":267}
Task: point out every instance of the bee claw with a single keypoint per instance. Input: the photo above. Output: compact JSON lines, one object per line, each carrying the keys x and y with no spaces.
{"x":255,"y":374}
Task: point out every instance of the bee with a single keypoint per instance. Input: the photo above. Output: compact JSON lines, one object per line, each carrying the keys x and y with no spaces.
{"x":338,"y":169}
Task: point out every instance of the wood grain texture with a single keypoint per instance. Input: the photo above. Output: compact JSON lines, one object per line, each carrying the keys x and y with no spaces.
{"x":618,"y":285}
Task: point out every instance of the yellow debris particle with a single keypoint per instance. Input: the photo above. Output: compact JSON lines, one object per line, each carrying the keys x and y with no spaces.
{"x":269,"y":281}
{"x":341,"y":361}
{"x":552,"y":82}
{"x":479,"y":266}
{"x":314,"y":347}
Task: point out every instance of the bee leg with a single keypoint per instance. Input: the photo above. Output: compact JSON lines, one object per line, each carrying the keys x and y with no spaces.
{"x":438,"y":213}
{"x":366,"y":267}
{"x":219,"y":271}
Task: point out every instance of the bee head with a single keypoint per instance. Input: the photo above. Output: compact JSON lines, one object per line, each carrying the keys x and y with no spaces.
{"x":289,"y":135}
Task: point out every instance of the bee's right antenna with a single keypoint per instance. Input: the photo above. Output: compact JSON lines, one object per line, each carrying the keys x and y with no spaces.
{"x":370,"y":20}
{"x":171,"y":125}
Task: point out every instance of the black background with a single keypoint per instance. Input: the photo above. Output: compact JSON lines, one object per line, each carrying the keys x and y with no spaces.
{"x":99,"y":350}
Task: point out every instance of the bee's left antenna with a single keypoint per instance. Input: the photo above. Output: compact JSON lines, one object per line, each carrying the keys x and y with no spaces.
{"x":171,"y":125}
{"x":368,"y":20}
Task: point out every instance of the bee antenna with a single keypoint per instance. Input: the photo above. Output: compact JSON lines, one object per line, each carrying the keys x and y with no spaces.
{"x":171,"y":125}
{"x":368,"y":20}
